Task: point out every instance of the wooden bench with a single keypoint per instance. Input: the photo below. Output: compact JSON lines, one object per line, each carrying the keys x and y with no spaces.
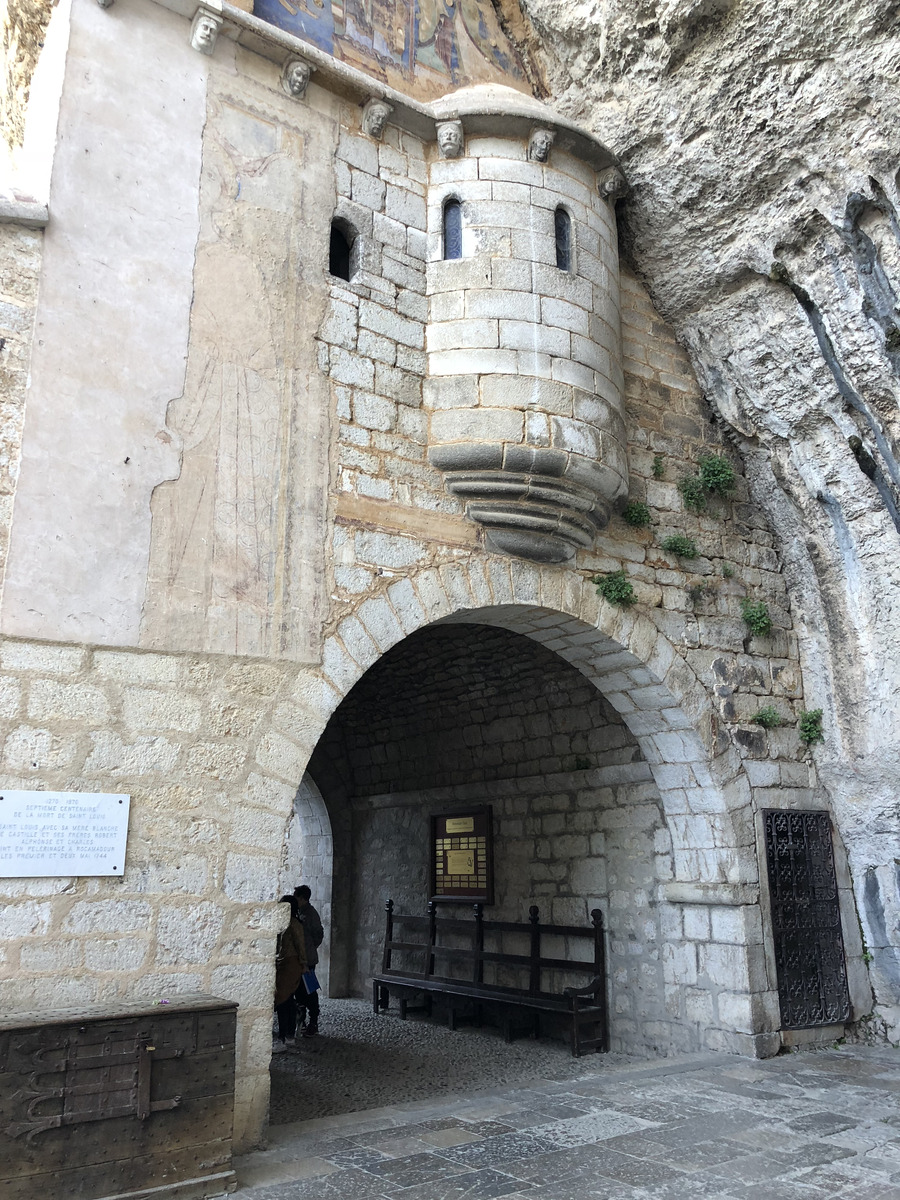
{"x":464,"y":963}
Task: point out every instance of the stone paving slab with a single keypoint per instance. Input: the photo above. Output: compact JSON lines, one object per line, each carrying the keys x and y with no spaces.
{"x":813,"y":1126}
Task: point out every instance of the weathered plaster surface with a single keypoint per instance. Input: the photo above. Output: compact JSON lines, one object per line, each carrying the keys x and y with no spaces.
{"x":236,"y":562}
{"x":20,"y":264}
{"x":117,"y":266}
{"x":761,"y":144}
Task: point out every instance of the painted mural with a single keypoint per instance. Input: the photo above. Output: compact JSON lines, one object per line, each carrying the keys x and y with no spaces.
{"x":422,"y":47}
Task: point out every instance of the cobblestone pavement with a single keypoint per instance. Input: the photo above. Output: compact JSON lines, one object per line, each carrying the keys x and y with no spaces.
{"x":797,"y":1127}
{"x":368,"y":1061}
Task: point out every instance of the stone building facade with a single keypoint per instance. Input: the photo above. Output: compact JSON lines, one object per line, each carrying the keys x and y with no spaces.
{"x":302,"y":516}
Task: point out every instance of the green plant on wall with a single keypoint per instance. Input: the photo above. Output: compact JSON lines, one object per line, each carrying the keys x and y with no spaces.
{"x":693,"y":493}
{"x":809,"y":727}
{"x":727,"y":570}
{"x":768,"y":716}
{"x":756,"y":617}
{"x":615,"y":588}
{"x":717,"y":475}
{"x":698,"y":591}
{"x":684,"y":547}
{"x":636,"y":514}
{"x":658,"y":467}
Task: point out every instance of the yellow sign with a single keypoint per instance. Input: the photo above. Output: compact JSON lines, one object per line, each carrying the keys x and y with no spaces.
{"x":460,"y":824}
{"x":460,"y":862}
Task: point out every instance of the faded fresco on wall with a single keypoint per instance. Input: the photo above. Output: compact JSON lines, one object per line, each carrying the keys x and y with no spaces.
{"x":236,"y":555}
{"x":422,"y":47}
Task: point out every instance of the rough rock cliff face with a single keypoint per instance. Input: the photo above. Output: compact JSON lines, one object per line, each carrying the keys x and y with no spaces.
{"x":762,"y":142}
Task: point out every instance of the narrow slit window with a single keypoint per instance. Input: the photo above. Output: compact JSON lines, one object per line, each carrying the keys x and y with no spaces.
{"x":340,"y":251}
{"x":453,"y":229}
{"x":563,"y":226}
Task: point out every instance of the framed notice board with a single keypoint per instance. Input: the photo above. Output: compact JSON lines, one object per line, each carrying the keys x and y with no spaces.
{"x":462,"y":856}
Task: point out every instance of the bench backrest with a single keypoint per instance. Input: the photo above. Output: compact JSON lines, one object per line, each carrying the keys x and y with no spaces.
{"x":529,"y":956}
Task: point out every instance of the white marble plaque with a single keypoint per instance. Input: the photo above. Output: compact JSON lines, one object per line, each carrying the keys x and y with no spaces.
{"x":62,"y":833}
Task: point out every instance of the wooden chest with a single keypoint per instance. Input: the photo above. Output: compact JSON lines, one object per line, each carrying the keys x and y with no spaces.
{"x":117,"y":1102}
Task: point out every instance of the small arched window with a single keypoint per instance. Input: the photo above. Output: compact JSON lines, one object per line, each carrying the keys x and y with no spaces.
{"x":563,"y":228}
{"x":453,"y":229}
{"x":340,"y":250}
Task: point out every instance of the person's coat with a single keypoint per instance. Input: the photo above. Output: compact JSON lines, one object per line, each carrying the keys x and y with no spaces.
{"x":314,"y":932}
{"x":290,"y":961}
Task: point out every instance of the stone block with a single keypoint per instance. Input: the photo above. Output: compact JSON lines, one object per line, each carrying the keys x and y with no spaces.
{"x":509,"y":305}
{"x":374,"y":412}
{"x":447,"y":306}
{"x":388,"y":550}
{"x":339,"y":326}
{"x":10,"y":696}
{"x":511,"y":275}
{"x":117,"y":954}
{"x":554,"y":284}
{"x":374,"y":346}
{"x":110,"y":755}
{"x":280,"y":756}
{"x":576,"y":437}
{"x":539,"y":339}
{"x":564,"y":315}
{"x":508,"y":167}
{"x":575,"y":374}
{"x":724,"y":965}
{"x":24,"y":919}
{"x":478,"y":362}
{"x":388,"y":323}
{"x":358,"y":152}
{"x":352,"y":369}
{"x":451,"y":275}
{"x":404,"y":206}
{"x":50,"y":700}
{"x":367,"y":190}
{"x":150,"y":709}
{"x":40,"y":659}
{"x":51,"y":955}
{"x":735,"y":1011}
{"x":696,"y":922}
{"x":108,"y":916}
{"x":452,"y":170}
{"x":453,"y":335}
{"x":188,"y":934}
{"x":27,"y":749}
{"x":249,"y":878}
{"x":459,"y":391}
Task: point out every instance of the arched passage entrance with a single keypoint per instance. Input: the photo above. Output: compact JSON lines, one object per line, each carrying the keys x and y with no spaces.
{"x":709,"y":986}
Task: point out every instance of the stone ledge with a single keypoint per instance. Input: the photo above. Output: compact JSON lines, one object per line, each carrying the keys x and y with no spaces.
{"x":711,"y":893}
{"x":29,"y":213}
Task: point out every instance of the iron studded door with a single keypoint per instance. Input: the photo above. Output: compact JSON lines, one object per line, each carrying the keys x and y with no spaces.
{"x":806,"y":919}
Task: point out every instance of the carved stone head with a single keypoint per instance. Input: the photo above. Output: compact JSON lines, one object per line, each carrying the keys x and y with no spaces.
{"x":611,"y":183}
{"x":450,"y":138}
{"x":295,"y":77}
{"x":375,"y":115}
{"x":539,"y":144}
{"x":205,"y":30}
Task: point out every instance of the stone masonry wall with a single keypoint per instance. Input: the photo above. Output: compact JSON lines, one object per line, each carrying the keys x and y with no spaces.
{"x":567,"y":842}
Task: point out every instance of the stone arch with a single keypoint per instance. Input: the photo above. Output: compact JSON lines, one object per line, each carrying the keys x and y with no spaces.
{"x":714,"y":954}
{"x":700,"y":776}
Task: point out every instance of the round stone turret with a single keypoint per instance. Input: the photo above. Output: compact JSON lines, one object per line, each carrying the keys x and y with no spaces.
{"x":524,"y":358}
